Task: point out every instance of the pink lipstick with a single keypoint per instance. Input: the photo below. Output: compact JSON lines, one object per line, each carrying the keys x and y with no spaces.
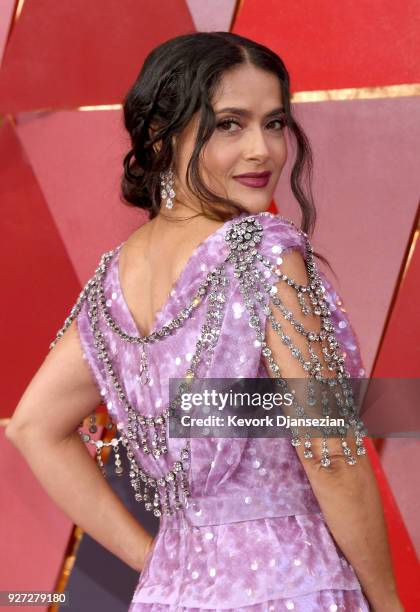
{"x":253,"y":179}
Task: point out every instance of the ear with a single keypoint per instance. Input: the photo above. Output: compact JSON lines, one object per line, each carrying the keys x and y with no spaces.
{"x":157,"y":145}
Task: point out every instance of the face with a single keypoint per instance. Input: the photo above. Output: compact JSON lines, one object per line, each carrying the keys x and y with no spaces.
{"x":248,"y":140}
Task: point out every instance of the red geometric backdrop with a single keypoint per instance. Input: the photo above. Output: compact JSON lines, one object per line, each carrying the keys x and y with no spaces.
{"x":61,"y":208}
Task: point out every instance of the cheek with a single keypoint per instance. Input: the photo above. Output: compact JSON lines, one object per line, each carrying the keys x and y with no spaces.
{"x":284,"y":147}
{"x":218,"y":162}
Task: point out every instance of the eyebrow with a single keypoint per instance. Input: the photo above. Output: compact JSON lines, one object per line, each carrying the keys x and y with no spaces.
{"x":246,"y":113}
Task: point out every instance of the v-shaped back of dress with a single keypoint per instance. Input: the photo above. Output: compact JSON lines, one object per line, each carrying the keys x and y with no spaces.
{"x":203,"y":257}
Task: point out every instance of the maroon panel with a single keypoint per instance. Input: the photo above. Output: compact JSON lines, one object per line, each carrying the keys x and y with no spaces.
{"x":69,"y":54}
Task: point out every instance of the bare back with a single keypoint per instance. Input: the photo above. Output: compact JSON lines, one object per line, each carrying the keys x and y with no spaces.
{"x":152,"y":259}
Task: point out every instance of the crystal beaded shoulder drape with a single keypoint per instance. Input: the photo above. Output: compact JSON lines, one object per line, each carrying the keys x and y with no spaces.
{"x":240,"y":526}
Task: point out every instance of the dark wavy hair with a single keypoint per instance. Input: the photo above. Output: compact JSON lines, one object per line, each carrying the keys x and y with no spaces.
{"x":177,"y":79}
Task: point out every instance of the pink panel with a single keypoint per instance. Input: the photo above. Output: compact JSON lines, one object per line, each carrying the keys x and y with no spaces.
{"x":33,"y":531}
{"x":77,"y":158}
{"x":212,"y":16}
{"x":398,"y":454}
{"x":366,"y":193}
{"x":68,"y":54}
{"x":7,"y":10}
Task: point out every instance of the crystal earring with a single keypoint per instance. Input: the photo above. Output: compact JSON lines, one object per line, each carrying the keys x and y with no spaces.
{"x":167,"y":187}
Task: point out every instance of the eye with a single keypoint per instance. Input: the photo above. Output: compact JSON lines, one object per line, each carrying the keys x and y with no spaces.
{"x":227,"y":122}
{"x":280,"y":120}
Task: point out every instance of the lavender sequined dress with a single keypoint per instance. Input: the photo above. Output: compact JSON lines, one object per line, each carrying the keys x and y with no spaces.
{"x":252,"y":536}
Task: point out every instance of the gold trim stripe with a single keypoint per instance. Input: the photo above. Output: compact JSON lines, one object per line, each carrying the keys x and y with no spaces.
{"x":19,"y":9}
{"x":410,"y":254}
{"x":68,"y":562}
{"x":99,"y":107}
{"x":323,"y":95}
{"x":358,"y":93}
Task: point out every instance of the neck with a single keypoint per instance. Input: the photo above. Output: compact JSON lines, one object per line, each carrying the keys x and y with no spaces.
{"x":185,"y":214}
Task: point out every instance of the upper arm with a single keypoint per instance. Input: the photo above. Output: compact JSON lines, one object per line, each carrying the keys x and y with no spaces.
{"x":292,"y":356}
{"x":294,"y":266}
{"x":62,"y":392}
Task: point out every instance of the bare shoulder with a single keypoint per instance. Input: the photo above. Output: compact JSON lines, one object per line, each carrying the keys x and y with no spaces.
{"x":294,"y":265}
{"x":137,"y":238}
{"x":135,"y":248}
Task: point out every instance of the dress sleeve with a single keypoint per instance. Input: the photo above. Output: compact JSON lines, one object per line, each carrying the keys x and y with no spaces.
{"x":79,"y":316}
{"x":303,"y":352}
{"x":83,"y":316}
{"x":344,"y":329}
{"x":89,"y":351}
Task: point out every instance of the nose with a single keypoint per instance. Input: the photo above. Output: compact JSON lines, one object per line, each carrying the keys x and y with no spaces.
{"x":257,"y":147}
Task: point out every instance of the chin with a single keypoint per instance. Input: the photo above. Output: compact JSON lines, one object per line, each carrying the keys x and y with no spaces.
{"x":254,"y":208}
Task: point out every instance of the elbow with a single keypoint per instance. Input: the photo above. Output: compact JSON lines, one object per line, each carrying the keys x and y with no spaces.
{"x":11,"y":432}
{"x":23,"y":433}
{"x":21,"y":423}
{"x":15,"y":432}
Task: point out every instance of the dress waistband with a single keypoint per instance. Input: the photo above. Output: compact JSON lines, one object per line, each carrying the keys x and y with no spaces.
{"x":246,"y":506}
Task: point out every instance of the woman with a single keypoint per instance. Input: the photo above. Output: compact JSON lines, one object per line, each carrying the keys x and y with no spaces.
{"x":212,"y":286}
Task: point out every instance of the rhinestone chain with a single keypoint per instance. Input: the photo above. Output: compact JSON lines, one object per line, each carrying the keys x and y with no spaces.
{"x":210,"y":331}
{"x":243,"y":238}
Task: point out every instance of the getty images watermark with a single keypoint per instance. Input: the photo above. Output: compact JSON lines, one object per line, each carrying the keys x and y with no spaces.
{"x":266,"y":421}
{"x":220,"y":409}
{"x":267,"y":401}
{"x":263,"y":407}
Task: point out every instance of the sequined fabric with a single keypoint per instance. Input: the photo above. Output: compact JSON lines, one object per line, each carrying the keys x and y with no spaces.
{"x":252,"y":536}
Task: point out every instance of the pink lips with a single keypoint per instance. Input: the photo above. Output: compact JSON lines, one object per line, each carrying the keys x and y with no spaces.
{"x":254,"y":179}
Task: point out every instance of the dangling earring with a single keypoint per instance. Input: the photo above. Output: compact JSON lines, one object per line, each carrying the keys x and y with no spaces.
{"x":167,"y":187}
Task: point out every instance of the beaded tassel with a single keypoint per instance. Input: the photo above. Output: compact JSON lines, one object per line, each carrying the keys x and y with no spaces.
{"x":243,"y":238}
{"x":176,"y":475}
{"x":144,"y":370}
{"x":138,"y":422}
{"x":134,"y":434}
